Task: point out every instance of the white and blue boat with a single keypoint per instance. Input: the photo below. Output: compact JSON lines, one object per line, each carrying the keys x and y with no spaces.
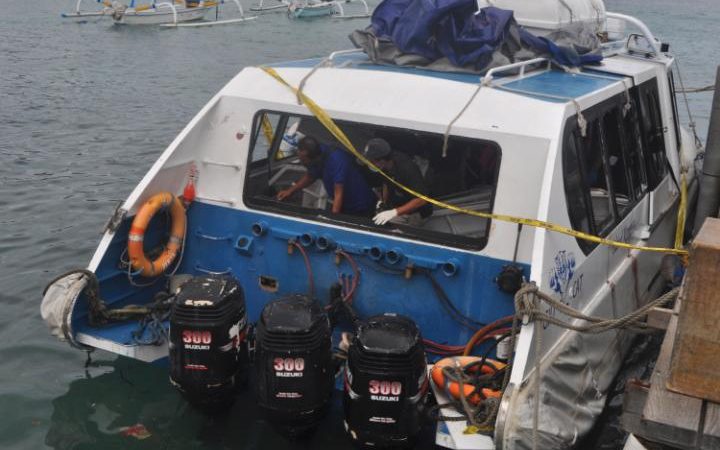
{"x":595,"y":149}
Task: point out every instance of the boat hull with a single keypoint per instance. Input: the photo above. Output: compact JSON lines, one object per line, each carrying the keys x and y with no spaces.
{"x":320,"y":10}
{"x":161,"y":16}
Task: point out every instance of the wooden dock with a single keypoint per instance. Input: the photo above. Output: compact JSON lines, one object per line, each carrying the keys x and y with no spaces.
{"x":659,"y":415}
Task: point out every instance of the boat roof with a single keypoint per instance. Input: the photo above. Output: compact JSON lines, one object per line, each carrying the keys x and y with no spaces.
{"x":351,"y":87}
{"x":555,"y":85}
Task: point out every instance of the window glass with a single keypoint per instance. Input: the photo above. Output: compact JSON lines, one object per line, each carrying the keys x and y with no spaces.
{"x":676,"y":118}
{"x":263,"y":135}
{"x":592,"y":162}
{"x":284,"y":179}
{"x":634,"y":157}
{"x":615,"y":161}
{"x":575,"y":190}
{"x":653,"y":134}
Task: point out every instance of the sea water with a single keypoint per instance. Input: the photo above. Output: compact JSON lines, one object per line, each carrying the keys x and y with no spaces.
{"x":85,"y":109}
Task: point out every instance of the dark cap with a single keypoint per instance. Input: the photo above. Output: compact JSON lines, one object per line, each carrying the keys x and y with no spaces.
{"x":377,"y":149}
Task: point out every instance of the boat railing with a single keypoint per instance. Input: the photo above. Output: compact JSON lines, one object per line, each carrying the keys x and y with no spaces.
{"x":654,"y":43}
{"x":172,"y":7}
{"x":341,"y":12}
{"x":520,"y":66}
{"x":332,"y":56}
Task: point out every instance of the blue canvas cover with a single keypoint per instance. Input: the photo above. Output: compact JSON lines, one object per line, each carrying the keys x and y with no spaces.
{"x":453,"y":33}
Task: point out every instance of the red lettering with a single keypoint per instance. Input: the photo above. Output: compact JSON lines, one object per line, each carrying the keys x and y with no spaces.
{"x":396,"y":388}
{"x":374,"y":387}
{"x":299,"y":364}
{"x":278,"y":364}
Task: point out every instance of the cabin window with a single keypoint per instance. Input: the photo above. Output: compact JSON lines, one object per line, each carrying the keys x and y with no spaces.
{"x":466,"y":177}
{"x":676,"y":118}
{"x":578,"y":199}
{"x":603,"y":171}
{"x":596,"y":175}
{"x":615,"y":161}
{"x":634,"y":155}
{"x":653,"y":133}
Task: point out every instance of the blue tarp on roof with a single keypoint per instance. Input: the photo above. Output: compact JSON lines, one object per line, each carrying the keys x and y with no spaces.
{"x":455,"y":34}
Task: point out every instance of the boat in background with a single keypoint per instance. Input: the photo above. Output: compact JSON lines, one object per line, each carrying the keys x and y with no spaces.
{"x":304,"y":9}
{"x":81,"y":15}
{"x":157,"y":13}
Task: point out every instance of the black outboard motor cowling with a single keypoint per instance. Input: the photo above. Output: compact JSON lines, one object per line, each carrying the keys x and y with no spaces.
{"x":293,"y":362}
{"x":385,"y":382}
{"x":208,"y":340}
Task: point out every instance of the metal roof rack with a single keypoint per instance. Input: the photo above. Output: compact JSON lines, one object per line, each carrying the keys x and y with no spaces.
{"x":488,"y":78}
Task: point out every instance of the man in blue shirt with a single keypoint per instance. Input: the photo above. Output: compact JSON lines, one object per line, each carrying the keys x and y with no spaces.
{"x":341,"y":177}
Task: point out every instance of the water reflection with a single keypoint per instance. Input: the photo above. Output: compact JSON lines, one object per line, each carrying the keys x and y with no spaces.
{"x":97,"y":411}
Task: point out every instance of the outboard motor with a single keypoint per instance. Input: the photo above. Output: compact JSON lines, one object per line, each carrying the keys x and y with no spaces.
{"x":293,"y":361}
{"x":385,"y":382}
{"x":208,"y":340}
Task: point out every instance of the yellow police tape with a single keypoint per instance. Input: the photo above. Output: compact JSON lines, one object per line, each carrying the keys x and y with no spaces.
{"x":328,"y":123}
{"x":680,"y":229}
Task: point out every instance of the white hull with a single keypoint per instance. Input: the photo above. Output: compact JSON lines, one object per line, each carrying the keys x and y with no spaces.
{"x":161,"y":16}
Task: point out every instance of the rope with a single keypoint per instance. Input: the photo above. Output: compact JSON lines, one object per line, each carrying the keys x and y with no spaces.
{"x":99,"y":314}
{"x":446,"y":136}
{"x":304,"y":80}
{"x":527,"y":307}
{"x":330,"y":125}
{"x":708,"y":88}
{"x":698,"y":142}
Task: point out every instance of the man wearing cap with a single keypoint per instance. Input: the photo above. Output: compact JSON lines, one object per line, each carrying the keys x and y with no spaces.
{"x":406,"y":208}
{"x":342,"y":180}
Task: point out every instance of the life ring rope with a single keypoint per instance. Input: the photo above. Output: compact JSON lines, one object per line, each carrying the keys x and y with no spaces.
{"x":445,"y":375}
{"x":138,"y":260}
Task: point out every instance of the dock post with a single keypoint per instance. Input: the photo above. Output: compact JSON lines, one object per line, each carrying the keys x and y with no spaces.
{"x":709,"y":196}
{"x":695,"y":361}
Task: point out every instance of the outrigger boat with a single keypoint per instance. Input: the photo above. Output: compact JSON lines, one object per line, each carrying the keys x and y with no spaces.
{"x":312,"y":8}
{"x":510,"y":157}
{"x":297,"y":9}
{"x":166,"y":14}
{"x":157,"y":13}
{"x":83,"y":15}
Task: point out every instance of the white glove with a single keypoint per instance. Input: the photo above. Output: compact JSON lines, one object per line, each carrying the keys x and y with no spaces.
{"x":385,"y":217}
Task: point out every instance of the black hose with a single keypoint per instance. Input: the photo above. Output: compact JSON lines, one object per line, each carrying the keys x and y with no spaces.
{"x":449,"y":306}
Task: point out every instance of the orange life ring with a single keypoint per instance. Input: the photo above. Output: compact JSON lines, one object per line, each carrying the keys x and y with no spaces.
{"x":138,"y":260}
{"x":453,"y":387}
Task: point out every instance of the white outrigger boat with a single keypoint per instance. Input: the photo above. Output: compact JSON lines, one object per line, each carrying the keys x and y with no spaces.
{"x":335,"y":9}
{"x":167,"y":14}
{"x":304,"y":9}
{"x":83,"y":15}
{"x":158,"y":13}
{"x":594,"y":151}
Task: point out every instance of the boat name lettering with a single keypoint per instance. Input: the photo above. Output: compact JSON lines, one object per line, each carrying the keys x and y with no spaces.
{"x":562,"y":271}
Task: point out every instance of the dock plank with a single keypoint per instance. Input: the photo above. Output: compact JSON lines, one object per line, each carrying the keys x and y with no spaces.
{"x":711,"y":429}
{"x":670,"y":417}
{"x":697,"y":342}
